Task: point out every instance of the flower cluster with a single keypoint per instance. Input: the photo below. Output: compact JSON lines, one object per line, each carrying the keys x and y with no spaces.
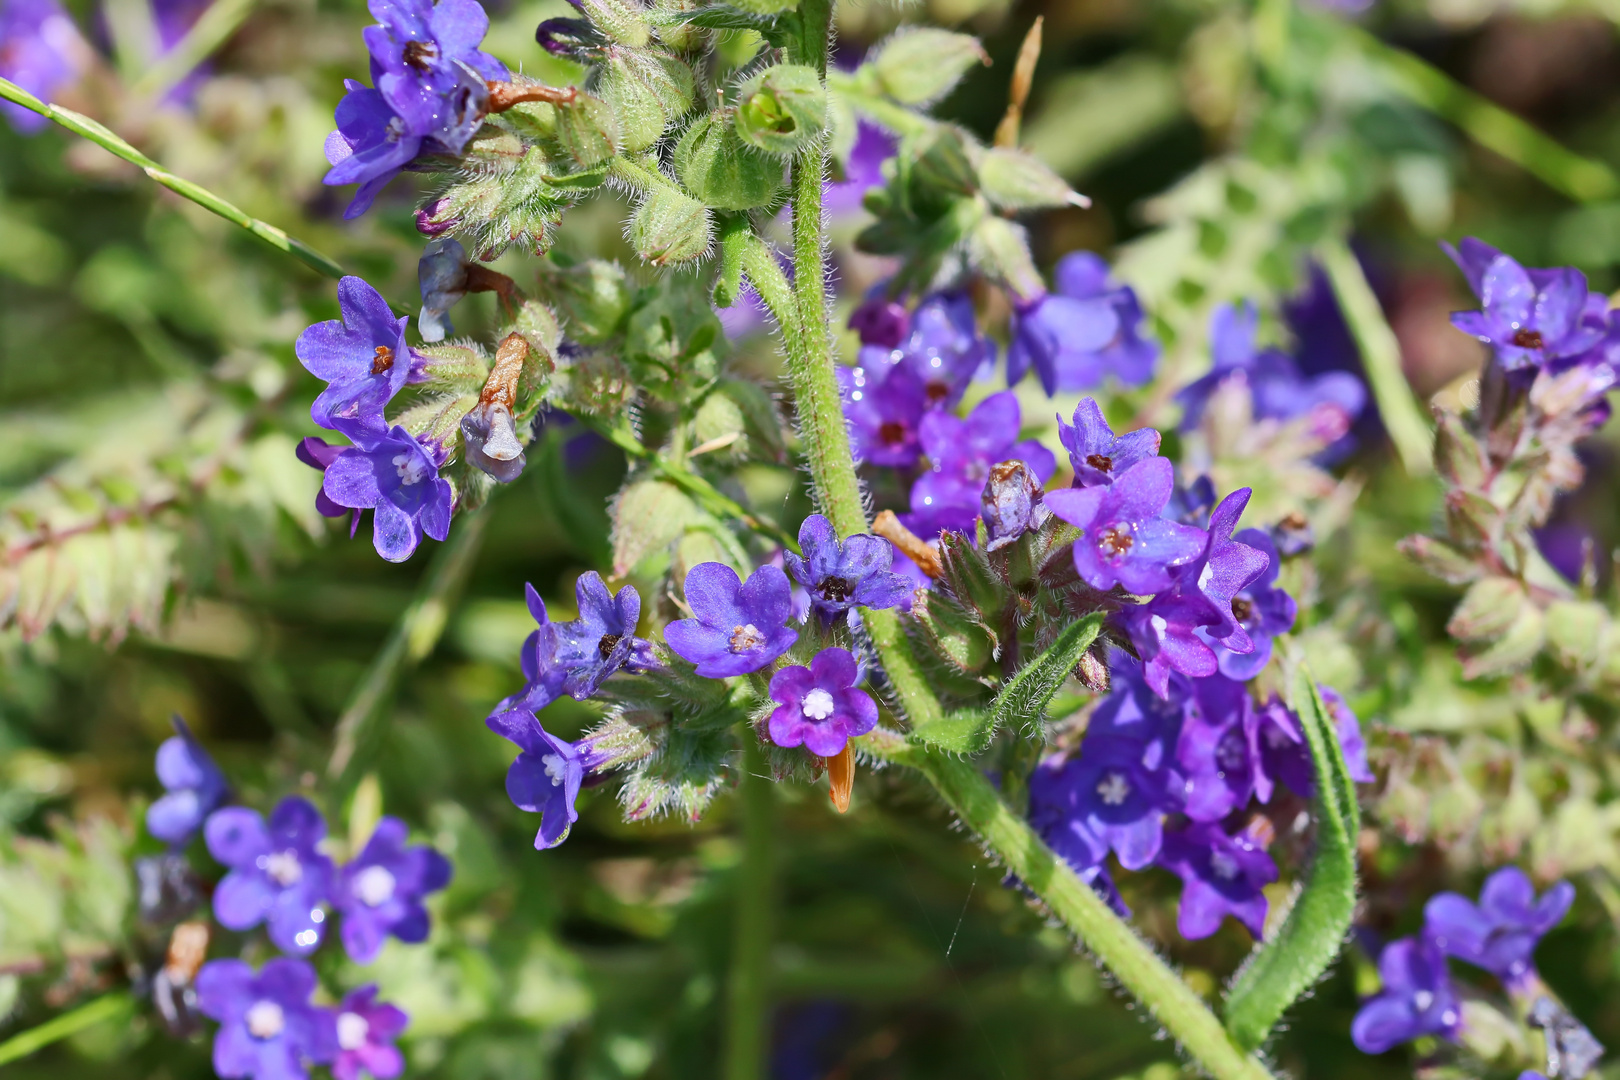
{"x":41,"y":51}
{"x":280,"y":875}
{"x":1498,"y":935}
{"x":430,"y":93}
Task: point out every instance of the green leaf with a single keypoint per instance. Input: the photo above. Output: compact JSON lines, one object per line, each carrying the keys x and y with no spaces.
{"x":1310,"y":937}
{"x":966,"y":731}
{"x":1023,"y":698}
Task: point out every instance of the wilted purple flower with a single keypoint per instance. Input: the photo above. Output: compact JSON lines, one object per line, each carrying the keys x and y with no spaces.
{"x":962,"y":452}
{"x":1417,"y":999}
{"x":426,"y":63}
{"x":881,"y":321}
{"x":41,"y":51}
{"x":490,"y":439}
{"x":1261,"y":610}
{"x":1216,"y":753}
{"x":1128,"y":356}
{"x":1222,"y":875}
{"x":737,"y":627}
{"x":366,"y":1030}
{"x":268,"y":1030}
{"x":1095,"y":453}
{"x":363,"y":358}
{"x":442,"y":274}
{"x":370,"y":146}
{"x":1010,"y":504}
{"x":1122,"y":538}
{"x":884,"y":406}
{"x":842,"y":576}
{"x":820,"y":707}
{"x":546,"y":777}
{"x":1530,"y":317}
{"x":193,"y":784}
{"x":1053,"y":333}
{"x":603,"y":639}
{"x":380,"y":892}
{"x":398,"y":478}
{"x":277,"y":874}
{"x":1500,"y":933}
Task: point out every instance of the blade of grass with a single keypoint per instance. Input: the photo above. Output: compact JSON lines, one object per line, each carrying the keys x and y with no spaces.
{"x":213,"y":29}
{"x":64,"y":1026}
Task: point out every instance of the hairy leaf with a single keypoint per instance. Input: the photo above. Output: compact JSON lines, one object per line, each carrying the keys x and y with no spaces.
{"x":1024,"y":697}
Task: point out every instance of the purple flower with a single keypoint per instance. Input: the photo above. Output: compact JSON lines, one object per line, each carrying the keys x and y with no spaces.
{"x":1010,"y":504}
{"x":398,"y":478}
{"x":1216,"y":753}
{"x":1122,"y":538}
{"x":1095,"y":453}
{"x":363,"y":359}
{"x":737,"y":627}
{"x":1500,"y":933}
{"x":1529,"y":316}
{"x":863,"y":169}
{"x":318,"y":454}
{"x":370,"y":146}
{"x":881,"y":321}
{"x":945,"y":348}
{"x":819,"y":707}
{"x":380,"y":892}
{"x":277,"y":874}
{"x":603,"y":639}
{"x":426,"y":63}
{"x":366,"y":1030}
{"x":1417,"y":999}
{"x":1222,"y":875}
{"x":1127,"y":356}
{"x":1056,"y":334}
{"x":442,"y":274}
{"x":1116,"y":790}
{"x":1285,"y":757}
{"x":1191,"y":505}
{"x":1165,"y":633}
{"x":962,"y":452}
{"x":1227,"y":568}
{"x":543,"y":673}
{"x":193,"y":784}
{"x":546,"y":777}
{"x":268,"y":1030}
{"x":41,"y":51}
{"x":1261,"y":610}
{"x":843,"y":576}
{"x":884,"y":405}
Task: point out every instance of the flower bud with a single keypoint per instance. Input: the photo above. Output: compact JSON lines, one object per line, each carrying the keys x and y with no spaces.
{"x":592,"y":297}
{"x":621,"y":20}
{"x":721,"y":170}
{"x":1000,"y":250}
{"x":646,"y":91}
{"x":1576,"y":631}
{"x":539,"y":326}
{"x":782,"y":108}
{"x":882,"y":322}
{"x":1015,"y":180}
{"x":919,"y":65}
{"x":1010,"y":503}
{"x":669,"y":227}
{"x":1488,"y":610}
{"x":673,"y":28}
{"x":435,"y":219}
{"x":573,"y":39}
{"x":1457,"y":454}
{"x":587,"y":131}
{"x":1093,"y":672}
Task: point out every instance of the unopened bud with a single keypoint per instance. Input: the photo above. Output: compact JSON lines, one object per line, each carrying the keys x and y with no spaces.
{"x":782,"y":108}
{"x":592,"y":297}
{"x":621,"y":20}
{"x":646,"y":91}
{"x":435,"y":219}
{"x":1000,"y":250}
{"x":919,"y":65}
{"x":881,"y":322}
{"x":669,"y":227}
{"x":575,"y":39}
{"x":1093,"y":672}
{"x":1015,"y":180}
{"x":722,"y":171}
{"x":435,"y":421}
{"x":1010,"y":503}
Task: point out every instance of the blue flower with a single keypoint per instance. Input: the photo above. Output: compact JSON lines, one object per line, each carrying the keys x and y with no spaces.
{"x":1055,"y":333}
{"x":1501,"y":932}
{"x":370,"y":147}
{"x":962,"y":452}
{"x":426,"y":63}
{"x":268,"y":1030}
{"x":1222,"y":874}
{"x":277,"y":874}
{"x":737,"y":627}
{"x":1529,"y":317}
{"x":380,"y":892}
{"x":1128,"y":356}
{"x":1096,"y":454}
{"x":363,"y":358}
{"x":194,"y":784}
{"x":1123,"y":540}
{"x":603,"y":639}
{"x":546,"y":777}
{"x":820,"y":707}
{"x":397,"y":477}
{"x":847,"y":575}
{"x":1418,"y":998}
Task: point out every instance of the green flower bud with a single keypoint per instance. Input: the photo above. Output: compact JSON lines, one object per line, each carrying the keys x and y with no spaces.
{"x":538,"y":325}
{"x":1488,"y":610}
{"x":1000,"y":249}
{"x":586,"y":131}
{"x":673,"y":28}
{"x":1015,"y":180}
{"x":648,"y":516}
{"x":646,"y":91}
{"x":782,"y":108}
{"x":921,"y":64}
{"x":592,"y":297}
{"x":1575,"y":632}
{"x":1457,"y":455}
{"x":621,"y":20}
{"x":721,"y":170}
{"x":438,"y":418}
{"x":670,"y":227}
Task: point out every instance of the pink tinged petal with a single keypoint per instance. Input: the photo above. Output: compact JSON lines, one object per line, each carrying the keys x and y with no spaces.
{"x":236,"y":836}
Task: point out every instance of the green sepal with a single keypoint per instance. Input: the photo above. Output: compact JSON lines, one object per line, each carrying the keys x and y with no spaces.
{"x":919,"y":65}
{"x":734,"y":237}
{"x":1022,"y":700}
{"x":1313,"y":932}
{"x":646,"y":90}
{"x":782,"y":109}
{"x":722,"y":171}
{"x":670,"y":227}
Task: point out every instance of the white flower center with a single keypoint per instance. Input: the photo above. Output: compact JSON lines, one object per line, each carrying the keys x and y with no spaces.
{"x":352,"y":1030}
{"x":410,"y":468}
{"x":283,"y":867}
{"x":1422,"y":1000}
{"x":746,"y":637}
{"x":817,"y":704}
{"x":374,"y":886}
{"x":1114,"y":788}
{"x":265,"y":1020}
{"x":555,"y":768}
{"x":1225,"y":867}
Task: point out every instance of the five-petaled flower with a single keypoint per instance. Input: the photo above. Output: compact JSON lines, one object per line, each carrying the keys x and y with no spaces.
{"x":1059,"y":336}
{"x":380,"y":892}
{"x":1529,"y":317}
{"x":366,"y":1030}
{"x":1123,"y":540}
{"x":737,"y":627}
{"x":277,"y":874}
{"x":603,"y":639}
{"x":962,"y":452}
{"x":819,"y":707}
{"x":363,"y":358}
{"x":397,"y":477}
{"x":1418,"y":998}
{"x":1096,"y":454}
{"x":1500,"y":933}
{"x":1222,"y":875}
{"x":841,"y":576}
{"x":546,"y":777}
{"x":268,"y":1030}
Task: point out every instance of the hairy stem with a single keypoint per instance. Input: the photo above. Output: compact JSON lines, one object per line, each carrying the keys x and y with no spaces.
{"x":111,"y":1007}
{"x":747,"y":1003}
{"x":1126,"y":956}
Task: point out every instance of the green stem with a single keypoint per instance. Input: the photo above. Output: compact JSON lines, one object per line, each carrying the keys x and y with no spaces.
{"x":1380,"y":356}
{"x":412,"y":639}
{"x":68,"y":1024}
{"x":1490,"y":125}
{"x":1126,"y":956}
{"x":212,"y":30}
{"x":747,"y":1000}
